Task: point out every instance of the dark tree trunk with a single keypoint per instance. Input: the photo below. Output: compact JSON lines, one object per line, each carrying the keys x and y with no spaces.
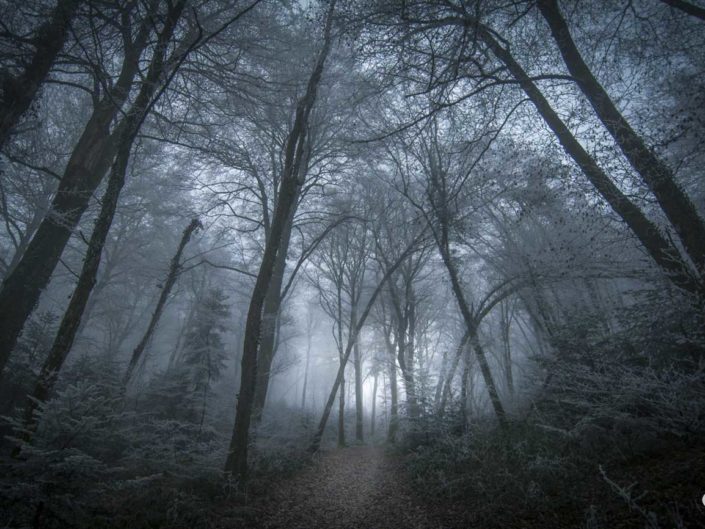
{"x":19,"y":92}
{"x":74,"y":313}
{"x":357,"y":364}
{"x":373,"y":419}
{"x":236,"y":462}
{"x":687,"y":7}
{"x":341,"y":411}
{"x":172,"y":276}
{"x":393,"y":401}
{"x":270,"y":317}
{"x":655,"y":173}
{"x":664,"y":254}
{"x":89,"y":161}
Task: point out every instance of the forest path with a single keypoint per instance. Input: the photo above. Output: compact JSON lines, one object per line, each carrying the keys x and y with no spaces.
{"x":358,"y":487}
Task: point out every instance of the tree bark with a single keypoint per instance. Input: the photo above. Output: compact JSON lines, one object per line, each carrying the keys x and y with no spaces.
{"x":655,"y":173}
{"x":357,"y":364}
{"x":236,"y":462}
{"x":19,"y":92}
{"x":172,"y":276}
{"x":373,"y":419}
{"x":270,"y":316}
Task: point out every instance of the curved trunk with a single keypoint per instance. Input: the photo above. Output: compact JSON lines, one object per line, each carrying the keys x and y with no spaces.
{"x":236,"y":462}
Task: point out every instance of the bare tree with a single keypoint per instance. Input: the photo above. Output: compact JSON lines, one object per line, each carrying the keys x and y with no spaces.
{"x":291,"y":183}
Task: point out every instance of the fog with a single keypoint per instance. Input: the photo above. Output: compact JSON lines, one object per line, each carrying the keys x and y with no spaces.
{"x":365,"y":264}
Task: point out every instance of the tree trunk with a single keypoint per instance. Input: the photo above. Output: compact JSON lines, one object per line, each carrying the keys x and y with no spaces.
{"x":393,"y":426}
{"x":306,"y":366}
{"x":505,"y":323}
{"x":73,"y":315}
{"x":19,"y":93}
{"x":341,"y":411}
{"x":470,"y":323}
{"x":408,"y":368}
{"x":464,"y":393}
{"x":357,"y":364}
{"x":442,"y":372}
{"x":172,"y":276}
{"x":664,"y":254}
{"x":270,"y":317}
{"x":236,"y":462}
{"x":687,"y":7}
{"x":655,"y":173}
{"x":373,"y":419}
{"x":451,"y":374}
{"x":89,"y":161}
{"x":393,"y":402}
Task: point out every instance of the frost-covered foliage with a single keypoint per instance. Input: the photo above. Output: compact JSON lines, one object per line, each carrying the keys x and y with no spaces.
{"x":614,"y":422}
{"x":96,"y":449}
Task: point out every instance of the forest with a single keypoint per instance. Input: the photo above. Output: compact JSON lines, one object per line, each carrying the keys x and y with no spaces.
{"x":352,"y":264}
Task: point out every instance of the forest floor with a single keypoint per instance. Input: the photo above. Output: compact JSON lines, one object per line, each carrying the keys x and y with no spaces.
{"x":356,"y":487}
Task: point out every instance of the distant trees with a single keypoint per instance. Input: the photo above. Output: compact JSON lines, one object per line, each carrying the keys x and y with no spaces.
{"x":204,"y":352}
{"x":341,"y":264}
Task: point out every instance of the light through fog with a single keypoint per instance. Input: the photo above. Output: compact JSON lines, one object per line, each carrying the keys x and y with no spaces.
{"x":352,"y":264}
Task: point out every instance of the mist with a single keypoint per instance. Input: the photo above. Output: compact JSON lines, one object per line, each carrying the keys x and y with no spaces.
{"x":365,"y":264}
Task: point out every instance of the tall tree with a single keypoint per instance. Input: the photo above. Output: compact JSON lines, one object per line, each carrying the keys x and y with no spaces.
{"x":87,"y":278}
{"x":290,"y":185}
{"x":655,"y":172}
{"x":166,"y":288}
{"x":88,"y":163}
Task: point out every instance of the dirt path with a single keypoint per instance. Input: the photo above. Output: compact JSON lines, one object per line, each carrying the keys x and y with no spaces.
{"x":357,"y":487}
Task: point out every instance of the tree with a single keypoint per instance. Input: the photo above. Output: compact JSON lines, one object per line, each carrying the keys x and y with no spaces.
{"x":172,"y":276}
{"x":20,"y":90}
{"x":87,"y":279}
{"x":291,"y":183}
{"x":655,"y":173}
{"x":204,"y":353}
{"x":90,"y":159}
